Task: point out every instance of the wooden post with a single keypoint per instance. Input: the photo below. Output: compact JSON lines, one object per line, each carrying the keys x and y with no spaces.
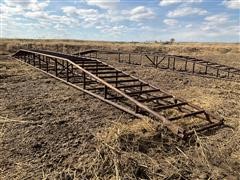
{"x":129,"y":58}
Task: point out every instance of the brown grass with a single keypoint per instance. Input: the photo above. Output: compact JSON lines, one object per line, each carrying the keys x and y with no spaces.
{"x":9,"y":45}
{"x":130,"y":149}
{"x":142,"y":150}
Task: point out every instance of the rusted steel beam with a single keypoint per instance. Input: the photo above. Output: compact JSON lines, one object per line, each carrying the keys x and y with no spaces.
{"x":94,"y":65}
{"x":205,"y":127}
{"x":186,"y":115}
{"x":94,"y":69}
{"x":143,"y":91}
{"x":156,"y":98}
{"x":121,"y":81}
{"x":132,"y":86}
{"x":105,"y":72}
{"x":221,"y":69}
{"x":169,"y":106}
{"x":132,"y":98}
{"x":150,"y":59}
{"x":111,"y":76}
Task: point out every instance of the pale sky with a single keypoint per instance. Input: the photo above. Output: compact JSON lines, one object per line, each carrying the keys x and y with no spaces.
{"x":122,"y":20}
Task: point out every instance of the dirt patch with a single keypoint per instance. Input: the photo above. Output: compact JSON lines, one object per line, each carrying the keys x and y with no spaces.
{"x":51,"y":131}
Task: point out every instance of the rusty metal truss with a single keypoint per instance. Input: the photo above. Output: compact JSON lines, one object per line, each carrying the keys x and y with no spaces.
{"x":122,"y":90}
{"x":184,"y":64}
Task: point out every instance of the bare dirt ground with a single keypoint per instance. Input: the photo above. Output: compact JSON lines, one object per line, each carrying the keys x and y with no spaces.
{"x":51,"y":131}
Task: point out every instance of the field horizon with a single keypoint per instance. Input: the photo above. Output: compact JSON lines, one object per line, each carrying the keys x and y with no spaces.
{"x":54,"y":131}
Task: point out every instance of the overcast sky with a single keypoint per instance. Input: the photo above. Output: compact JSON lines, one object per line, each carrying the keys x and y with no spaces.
{"x":122,"y":20}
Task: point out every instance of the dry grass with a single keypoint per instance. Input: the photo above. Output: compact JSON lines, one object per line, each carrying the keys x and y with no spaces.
{"x":139,"y":149}
{"x":142,"y":150}
{"x":143,"y":128}
{"x":9,"y":45}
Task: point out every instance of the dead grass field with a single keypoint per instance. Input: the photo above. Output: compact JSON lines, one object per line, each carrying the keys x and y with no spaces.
{"x":51,"y":131}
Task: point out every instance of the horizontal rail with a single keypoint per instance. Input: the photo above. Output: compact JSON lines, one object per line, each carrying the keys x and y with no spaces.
{"x":133,"y":96}
{"x":182,"y":64}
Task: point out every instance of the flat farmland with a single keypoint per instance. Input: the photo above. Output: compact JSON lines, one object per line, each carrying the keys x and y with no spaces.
{"x":49,"y":130}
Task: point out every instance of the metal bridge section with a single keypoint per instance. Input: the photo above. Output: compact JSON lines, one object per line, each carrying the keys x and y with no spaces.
{"x":183,"y":64}
{"x":122,"y":90}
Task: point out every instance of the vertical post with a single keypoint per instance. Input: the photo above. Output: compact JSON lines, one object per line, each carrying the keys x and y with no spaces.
{"x":116,"y":78}
{"x":193,"y":70}
{"x":156,"y":61}
{"x":67,"y":71}
{"x":228,"y":73}
{"x":34,"y":59}
{"x":55,"y":65}
{"x":141,"y":87}
{"x":129,"y":58}
{"x":96,"y":68}
{"x":168,"y":63}
{"x":174,"y":60}
{"x":47,"y":63}
{"x":217,"y":72}
{"x":186,"y":64}
{"x":25,"y":57}
{"x":40,"y":65}
{"x":29,"y":58}
{"x":84,"y":80}
{"x":207,"y":117}
{"x":82,"y":64}
{"x":119,"y":57}
{"x":141,"y":59}
{"x":206,"y":68}
{"x":105,"y":92}
{"x":136,"y":109}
